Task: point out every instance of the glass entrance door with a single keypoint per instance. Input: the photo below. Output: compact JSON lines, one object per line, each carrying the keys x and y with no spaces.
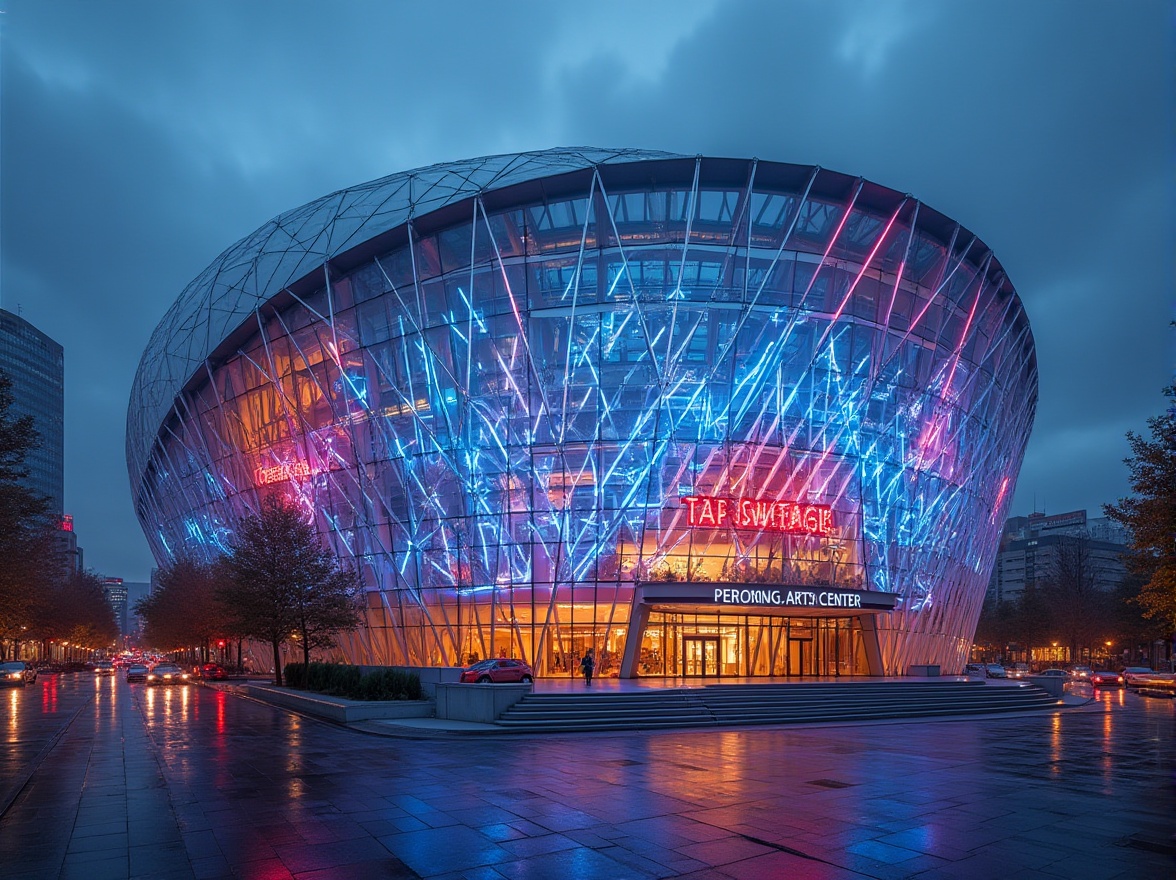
{"x":701,"y":655}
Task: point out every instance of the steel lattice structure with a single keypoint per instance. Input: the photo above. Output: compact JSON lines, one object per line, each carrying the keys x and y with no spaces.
{"x":493,"y":382}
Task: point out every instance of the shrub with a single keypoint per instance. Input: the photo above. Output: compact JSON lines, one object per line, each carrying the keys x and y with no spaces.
{"x":341,"y":680}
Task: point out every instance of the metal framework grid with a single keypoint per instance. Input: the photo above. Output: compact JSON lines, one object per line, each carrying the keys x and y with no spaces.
{"x":491,"y":383}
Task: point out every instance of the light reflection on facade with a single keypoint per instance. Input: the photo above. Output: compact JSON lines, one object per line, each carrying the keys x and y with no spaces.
{"x":492,"y":384}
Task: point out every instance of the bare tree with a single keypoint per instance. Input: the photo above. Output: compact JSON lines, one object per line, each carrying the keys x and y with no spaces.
{"x":187,"y":608}
{"x":26,"y":550}
{"x":1079,"y":608}
{"x":74,"y":609}
{"x":282,"y":582}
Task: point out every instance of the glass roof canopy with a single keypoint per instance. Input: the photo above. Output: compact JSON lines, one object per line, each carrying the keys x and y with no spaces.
{"x":298,"y":242}
{"x":297,"y":245}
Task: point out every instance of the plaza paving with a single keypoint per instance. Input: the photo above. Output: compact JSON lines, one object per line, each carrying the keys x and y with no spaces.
{"x":195,"y":782}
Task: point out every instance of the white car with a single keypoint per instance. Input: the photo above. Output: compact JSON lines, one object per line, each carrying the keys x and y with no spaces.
{"x":168,"y":673}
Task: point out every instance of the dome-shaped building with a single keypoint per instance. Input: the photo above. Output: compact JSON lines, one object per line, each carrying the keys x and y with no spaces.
{"x":705,"y":416}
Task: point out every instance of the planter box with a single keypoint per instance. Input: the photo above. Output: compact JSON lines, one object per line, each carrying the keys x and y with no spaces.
{"x":339,"y":709}
{"x":477,"y":702}
{"x":430,"y":676}
{"x":1054,"y":685}
{"x":926,"y":671}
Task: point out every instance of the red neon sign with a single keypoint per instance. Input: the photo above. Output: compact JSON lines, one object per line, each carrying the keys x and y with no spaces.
{"x":279,"y":473}
{"x":714,"y":512}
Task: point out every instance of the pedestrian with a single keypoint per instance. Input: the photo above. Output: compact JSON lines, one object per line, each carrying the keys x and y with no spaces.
{"x":587,"y":665}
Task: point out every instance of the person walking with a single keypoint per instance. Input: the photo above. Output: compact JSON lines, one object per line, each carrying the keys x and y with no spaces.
{"x":587,"y":665}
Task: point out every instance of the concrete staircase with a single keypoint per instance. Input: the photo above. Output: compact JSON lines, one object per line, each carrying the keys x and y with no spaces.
{"x":799,"y":703}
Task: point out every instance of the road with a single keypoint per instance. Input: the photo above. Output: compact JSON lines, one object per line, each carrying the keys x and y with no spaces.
{"x":194,"y":782}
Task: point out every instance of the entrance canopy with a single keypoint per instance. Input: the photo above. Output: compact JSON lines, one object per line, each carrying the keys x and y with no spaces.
{"x":783,"y":600}
{"x":791,"y":599}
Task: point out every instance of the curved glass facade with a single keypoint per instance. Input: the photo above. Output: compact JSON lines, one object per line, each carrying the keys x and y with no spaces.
{"x":507,"y":406}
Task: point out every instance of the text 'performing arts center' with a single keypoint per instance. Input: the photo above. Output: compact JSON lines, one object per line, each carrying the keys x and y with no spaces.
{"x":702,"y":416}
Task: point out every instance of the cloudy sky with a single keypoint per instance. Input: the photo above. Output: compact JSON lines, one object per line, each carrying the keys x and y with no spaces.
{"x":139,"y":139}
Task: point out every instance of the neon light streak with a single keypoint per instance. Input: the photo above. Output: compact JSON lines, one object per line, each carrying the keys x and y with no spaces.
{"x":714,"y":512}
{"x":280,"y":473}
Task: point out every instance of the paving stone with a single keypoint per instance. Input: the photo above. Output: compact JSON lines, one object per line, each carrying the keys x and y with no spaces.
{"x":146,"y":785}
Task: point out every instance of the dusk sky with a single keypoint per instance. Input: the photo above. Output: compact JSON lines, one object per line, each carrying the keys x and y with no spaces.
{"x":138,"y":140}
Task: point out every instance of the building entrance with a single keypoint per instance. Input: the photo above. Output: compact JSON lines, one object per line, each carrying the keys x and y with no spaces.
{"x":701,"y":655}
{"x":706,"y":645}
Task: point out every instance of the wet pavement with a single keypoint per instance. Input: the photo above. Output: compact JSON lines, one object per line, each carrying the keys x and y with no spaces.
{"x":194,"y":782}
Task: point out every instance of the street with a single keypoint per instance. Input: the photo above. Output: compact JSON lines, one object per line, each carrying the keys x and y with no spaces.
{"x":194,"y":781}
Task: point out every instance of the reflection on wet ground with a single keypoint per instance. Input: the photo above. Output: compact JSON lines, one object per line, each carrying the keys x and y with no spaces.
{"x":192,"y":782}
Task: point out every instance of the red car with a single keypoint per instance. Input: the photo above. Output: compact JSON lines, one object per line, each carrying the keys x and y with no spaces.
{"x":213,"y":672}
{"x":497,"y":671}
{"x":1106,"y":678}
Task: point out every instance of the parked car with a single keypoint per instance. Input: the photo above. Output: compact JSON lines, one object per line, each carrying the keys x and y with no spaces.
{"x":1017,"y":670}
{"x":136,"y":672}
{"x":213,"y":672}
{"x":498,"y":670}
{"x":974,"y":669}
{"x":104,"y":667}
{"x":1136,"y":675}
{"x":168,"y":673}
{"x":17,"y":673}
{"x":995,"y":670}
{"x":1055,"y":673}
{"x":1106,"y":678}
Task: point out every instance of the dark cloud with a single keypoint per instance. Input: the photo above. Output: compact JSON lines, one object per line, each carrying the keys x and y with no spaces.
{"x":141,"y":139}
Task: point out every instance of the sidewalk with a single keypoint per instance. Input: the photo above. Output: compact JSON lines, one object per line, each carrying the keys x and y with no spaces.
{"x":98,"y":807}
{"x":192,"y":783}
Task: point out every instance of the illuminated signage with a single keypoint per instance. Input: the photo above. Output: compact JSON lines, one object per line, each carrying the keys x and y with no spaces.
{"x":280,"y":473}
{"x":793,"y":598}
{"x":827,"y":599}
{"x":714,"y":512}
